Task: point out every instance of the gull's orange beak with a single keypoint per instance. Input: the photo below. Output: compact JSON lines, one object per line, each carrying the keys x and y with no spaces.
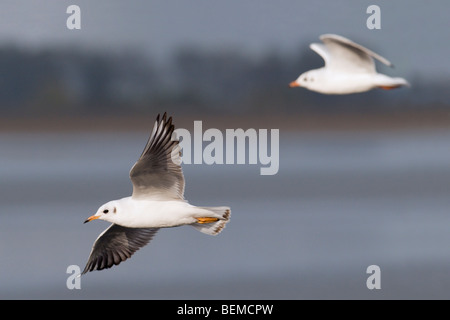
{"x":294,"y":84}
{"x":91,"y":218}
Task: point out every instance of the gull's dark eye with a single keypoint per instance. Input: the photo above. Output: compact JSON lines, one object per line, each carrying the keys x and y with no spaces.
{"x":305,"y":79}
{"x":105,"y":211}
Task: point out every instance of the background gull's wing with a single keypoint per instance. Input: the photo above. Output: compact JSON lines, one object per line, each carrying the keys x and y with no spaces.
{"x":322,"y":51}
{"x":117,"y":244}
{"x":345,"y":55}
{"x":158,"y":172}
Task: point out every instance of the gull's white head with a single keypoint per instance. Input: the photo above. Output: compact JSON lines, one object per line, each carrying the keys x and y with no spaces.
{"x":309,"y":80}
{"x":107,"y":212}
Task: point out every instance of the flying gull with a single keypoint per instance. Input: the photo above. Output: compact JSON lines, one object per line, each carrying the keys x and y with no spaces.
{"x":349,"y":68}
{"x":157,"y":202}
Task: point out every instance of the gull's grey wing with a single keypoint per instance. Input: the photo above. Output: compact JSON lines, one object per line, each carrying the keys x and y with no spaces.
{"x":117,"y":244}
{"x":158,"y":172}
{"x":322,"y":51}
{"x":342,"y":54}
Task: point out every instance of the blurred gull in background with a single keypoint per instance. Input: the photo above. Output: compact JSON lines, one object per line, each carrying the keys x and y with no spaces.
{"x":349,"y":68}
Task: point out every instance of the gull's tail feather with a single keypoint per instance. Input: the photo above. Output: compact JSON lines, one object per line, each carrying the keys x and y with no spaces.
{"x":213,"y":220}
{"x":402,"y":82}
{"x":399,"y":82}
{"x":388,"y":83}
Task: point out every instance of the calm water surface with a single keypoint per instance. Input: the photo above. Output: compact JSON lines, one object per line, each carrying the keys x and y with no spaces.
{"x":339,"y":203}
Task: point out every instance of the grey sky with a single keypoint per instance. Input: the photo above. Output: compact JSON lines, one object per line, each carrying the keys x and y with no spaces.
{"x":414,"y":34}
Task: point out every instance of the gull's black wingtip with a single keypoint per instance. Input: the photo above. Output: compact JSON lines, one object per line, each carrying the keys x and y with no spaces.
{"x":163,"y":118}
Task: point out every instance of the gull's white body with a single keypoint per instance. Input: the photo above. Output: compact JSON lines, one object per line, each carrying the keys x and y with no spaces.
{"x":349,"y":68}
{"x":141,"y":213}
{"x":329,"y":82}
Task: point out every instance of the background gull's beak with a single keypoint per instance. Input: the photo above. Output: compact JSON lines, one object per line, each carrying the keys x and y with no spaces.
{"x":91,"y":218}
{"x":294,"y":84}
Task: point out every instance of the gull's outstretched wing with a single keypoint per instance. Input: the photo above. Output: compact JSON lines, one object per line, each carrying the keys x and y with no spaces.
{"x":344,"y":55}
{"x":117,"y":244}
{"x":158,"y":172}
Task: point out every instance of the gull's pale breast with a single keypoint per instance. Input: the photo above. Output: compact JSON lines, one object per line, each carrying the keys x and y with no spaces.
{"x":153,"y":213}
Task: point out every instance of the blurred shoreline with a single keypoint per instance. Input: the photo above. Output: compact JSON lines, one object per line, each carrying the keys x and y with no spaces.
{"x":414,"y":120}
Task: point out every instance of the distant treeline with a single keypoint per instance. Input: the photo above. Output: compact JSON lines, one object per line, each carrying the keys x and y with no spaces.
{"x":75,"y":82}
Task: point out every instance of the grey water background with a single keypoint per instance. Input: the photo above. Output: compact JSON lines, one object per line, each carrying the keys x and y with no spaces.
{"x":340,"y":202}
